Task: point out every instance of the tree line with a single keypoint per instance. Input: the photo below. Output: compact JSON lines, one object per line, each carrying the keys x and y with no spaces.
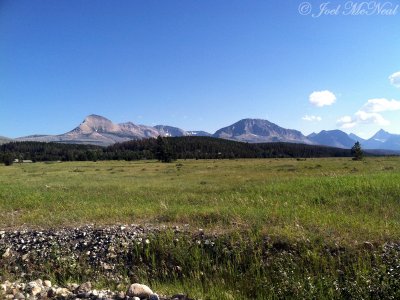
{"x":164,"y":149}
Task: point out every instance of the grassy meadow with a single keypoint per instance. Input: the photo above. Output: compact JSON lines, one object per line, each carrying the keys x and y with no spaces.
{"x":336,"y":199}
{"x":283,"y":228}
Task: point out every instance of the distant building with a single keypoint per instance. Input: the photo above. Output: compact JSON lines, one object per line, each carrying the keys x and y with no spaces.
{"x":22,"y":161}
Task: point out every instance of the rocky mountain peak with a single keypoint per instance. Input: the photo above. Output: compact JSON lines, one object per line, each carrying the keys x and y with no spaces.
{"x":335,"y":138}
{"x":96,"y":123}
{"x":98,"y":130}
{"x":258,"y":130}
{"x":381,"y":135}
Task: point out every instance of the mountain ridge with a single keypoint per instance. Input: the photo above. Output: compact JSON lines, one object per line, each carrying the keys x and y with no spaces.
{"x":98,"y":130}
{"x":259,"y":130}
{"x":383,"y":140}
{"x":333,"y":138}
{"x":4,"y":140}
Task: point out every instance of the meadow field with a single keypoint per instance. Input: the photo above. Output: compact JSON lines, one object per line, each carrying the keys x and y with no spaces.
{"x":336,"y":199}
{"x":328,"y":222}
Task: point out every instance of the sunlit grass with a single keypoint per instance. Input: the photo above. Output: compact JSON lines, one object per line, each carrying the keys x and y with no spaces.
{"x":336,"y":199}
{"x":284,"y":228}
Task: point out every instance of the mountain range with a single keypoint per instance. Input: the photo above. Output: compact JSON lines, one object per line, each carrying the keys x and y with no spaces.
{"x":337,"y":138}
{"x":4,"y":140}
{"x":98,"y":130}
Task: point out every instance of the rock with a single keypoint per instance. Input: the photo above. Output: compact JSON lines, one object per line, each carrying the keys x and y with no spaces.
{"x":47,"y":283}
{"x":84,"y":295}
{"x":84,"y":287}
{"x":32,"y":284}
{"x":36,"y":290}
{"x":154,"y":297}
{"x":63,"y":292}
{"x":39,"y":282}
{"x":121,"y":295}
{"x":101,"y":295}
{"x":368,"y":245}
{"x":72,"y":287}
{"x":51,"y":292}
{"x":139,"y":290}
{"x":7,"y":253}
{"x":19,"y":296}
{"x":106,"y":266}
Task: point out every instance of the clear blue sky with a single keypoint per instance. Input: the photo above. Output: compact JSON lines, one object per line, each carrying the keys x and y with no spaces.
{"x":196,"y":65}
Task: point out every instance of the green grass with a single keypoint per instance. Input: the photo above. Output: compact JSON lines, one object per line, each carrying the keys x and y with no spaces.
{"x":284,"y":228}
{"x":336,"y":199}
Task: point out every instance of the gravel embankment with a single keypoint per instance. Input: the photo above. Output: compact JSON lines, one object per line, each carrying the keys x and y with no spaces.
{"x":39,"y":289}
{"x":102,"y":249}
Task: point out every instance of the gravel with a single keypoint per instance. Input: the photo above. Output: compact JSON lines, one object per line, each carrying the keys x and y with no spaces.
{"x":102,"y":248}
{"x":38,"y":290}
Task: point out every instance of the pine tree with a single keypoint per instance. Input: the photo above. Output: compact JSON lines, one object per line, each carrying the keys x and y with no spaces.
{"x":357,"y":152}
{"x":8,"y":159}
{"x":164,"y":152}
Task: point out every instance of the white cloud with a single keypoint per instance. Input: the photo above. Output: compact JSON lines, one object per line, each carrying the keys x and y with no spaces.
{"x":311,"y":118}
{"x":345,"y":119}
{"x":362,"y":117}
{"x":395,"y":79}
{"x":348,"y":125}
{"x":322,"y":98}
{"x":346,"y":122}
{"x":370,"y":113}
{"x":381,"y":105}
{"x":370,"y":118}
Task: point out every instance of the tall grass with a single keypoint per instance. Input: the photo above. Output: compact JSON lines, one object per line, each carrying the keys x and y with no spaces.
{"x":243,"y":265}
{"x":283,"y":228}
{"x":336,"y":199}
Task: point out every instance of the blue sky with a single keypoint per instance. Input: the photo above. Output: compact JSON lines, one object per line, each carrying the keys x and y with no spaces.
{"x":198,"y":64}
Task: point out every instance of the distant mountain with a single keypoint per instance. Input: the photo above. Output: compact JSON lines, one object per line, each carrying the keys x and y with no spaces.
{"x":199,"y":133}
{"x":383,"y":140}
{"x":333,"y":138}
{"x":171,"y":131}
{"x":392,"y":143}
{"x":97,"y":130}
{"x":311,"y":135}
{"x":165,"y":130}
{"x":260,"y":131}
{"x":381,"y":136}
{"x":356,"y":138}
{"x":4,"y":140}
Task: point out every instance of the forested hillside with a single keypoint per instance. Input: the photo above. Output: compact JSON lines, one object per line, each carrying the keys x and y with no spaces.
{"x":174,"y":147}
